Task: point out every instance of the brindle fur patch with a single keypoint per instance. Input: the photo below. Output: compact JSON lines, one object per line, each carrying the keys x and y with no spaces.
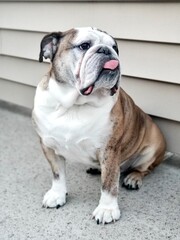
{"x":132,"y":135}
{"x":66,"y":41}
{"x":64,"y":46}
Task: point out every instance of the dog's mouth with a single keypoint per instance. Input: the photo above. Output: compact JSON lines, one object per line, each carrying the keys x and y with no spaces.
{"x":110,"y":67}
{"x":87,"y":90}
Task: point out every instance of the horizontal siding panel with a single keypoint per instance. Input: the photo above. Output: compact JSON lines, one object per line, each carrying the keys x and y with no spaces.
{"x":21,"y":44}
{"x":155,"y":98}
{"x":16,"y":93}
{"x":160,"y":61}
{"x":142,"y":21}
{"x":22,"y":71}
{"x":150,"y":60}
{"x":171,"y":131}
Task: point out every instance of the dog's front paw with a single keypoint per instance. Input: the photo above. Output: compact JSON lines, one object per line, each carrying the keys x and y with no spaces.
{"x":106,"y":215}
{"x":54,"y":199}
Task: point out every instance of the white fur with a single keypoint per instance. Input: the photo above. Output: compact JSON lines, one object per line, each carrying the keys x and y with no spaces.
{"x":56,"y":195}
{"x":74,"y":126}
{"x":86,"y":33}
{"x":108,"y":209}
{"x":84,"y":68}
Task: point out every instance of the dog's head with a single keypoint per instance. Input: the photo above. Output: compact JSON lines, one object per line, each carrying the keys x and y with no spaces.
{"x":86,"y":58}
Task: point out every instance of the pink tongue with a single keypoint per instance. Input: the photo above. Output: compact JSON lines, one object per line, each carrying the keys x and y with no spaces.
{"x":112,"y":64}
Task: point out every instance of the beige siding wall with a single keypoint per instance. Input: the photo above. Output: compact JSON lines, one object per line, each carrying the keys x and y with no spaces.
{"x":148,"y":35}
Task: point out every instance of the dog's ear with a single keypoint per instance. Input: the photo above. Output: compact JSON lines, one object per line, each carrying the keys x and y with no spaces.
{"x":49,"y":45}
{"x":115,"y":47}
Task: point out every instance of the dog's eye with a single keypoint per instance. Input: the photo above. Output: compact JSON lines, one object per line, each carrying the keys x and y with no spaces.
{"x":116,"y":49}
{"x":84,"y":46}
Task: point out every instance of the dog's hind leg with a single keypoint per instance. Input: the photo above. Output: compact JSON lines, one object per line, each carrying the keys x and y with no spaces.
{"x":56,"y":196}
{"x":145,"y":164}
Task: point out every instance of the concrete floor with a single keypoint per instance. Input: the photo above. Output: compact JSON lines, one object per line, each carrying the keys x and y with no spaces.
{"x":151,"y":213}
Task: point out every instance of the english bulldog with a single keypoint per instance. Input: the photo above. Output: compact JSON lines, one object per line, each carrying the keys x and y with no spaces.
{"x":81,"y":114}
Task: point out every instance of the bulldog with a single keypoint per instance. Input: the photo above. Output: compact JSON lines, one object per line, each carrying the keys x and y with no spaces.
{"x":81,"y":114}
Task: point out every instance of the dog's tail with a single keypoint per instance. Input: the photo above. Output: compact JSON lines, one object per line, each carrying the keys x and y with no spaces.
{"x":167,"y":155}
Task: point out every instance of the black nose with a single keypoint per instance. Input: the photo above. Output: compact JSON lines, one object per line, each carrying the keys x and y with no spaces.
{"x":104,"y":50}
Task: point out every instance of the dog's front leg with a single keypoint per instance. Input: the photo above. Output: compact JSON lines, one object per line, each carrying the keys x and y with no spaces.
{"x":108,"y":209}
{"x":56,"y":196}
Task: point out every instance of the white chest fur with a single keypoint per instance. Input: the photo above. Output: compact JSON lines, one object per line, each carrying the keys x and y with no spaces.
{"x":74,"y":126}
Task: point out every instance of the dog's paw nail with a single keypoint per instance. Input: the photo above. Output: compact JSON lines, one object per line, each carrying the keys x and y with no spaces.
{"x":97,"y":221}
{"x":58,"y":206}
